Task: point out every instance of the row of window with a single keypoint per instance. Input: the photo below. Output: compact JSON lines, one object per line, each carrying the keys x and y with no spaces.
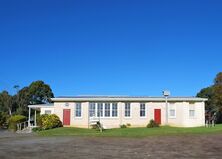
{"x":172,"y":112}
{"x":108,"y":110}
{"x":103,"y":109}
{"x":111,"y":110}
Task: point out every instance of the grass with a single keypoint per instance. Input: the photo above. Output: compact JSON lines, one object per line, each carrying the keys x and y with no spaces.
{"x":130,"y":132}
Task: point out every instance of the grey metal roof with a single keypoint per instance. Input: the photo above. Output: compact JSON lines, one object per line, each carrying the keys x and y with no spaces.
{"x":123,"y":98}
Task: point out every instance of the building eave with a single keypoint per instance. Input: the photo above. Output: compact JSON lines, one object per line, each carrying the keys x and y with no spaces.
{"x":128,"y":99}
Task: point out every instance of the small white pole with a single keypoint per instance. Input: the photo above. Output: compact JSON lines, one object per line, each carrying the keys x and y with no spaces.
{"x":29,"y":117}
{"x":35,"y":118}
{"x":166,"y":111}
{"x":166,"y":94}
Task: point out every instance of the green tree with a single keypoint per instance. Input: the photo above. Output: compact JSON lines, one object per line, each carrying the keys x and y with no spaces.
{"x":218,"y":79}
{"x":6,"y":102}
{"x":23,"y":100}
{"x":214,"y":95}
{"x":217,"y":88}
{"x":40,"y":93}
{"x":209,"y":94}
{"x":37,"y":93}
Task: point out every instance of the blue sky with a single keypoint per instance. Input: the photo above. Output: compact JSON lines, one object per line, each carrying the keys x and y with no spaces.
{"x":112,"y":47}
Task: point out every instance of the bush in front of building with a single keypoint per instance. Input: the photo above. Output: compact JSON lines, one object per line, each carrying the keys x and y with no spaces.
{"x":152,"y":124}
{"x":37,"y":129}
{"x":123,"y":126}
{"x":128,"y":125}
{"x":3,"y":119}
{"x":48,"y":121}
{"x":14,"y":120}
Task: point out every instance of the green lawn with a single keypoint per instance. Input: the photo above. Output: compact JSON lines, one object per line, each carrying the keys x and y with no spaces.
{"x":130,"y":132}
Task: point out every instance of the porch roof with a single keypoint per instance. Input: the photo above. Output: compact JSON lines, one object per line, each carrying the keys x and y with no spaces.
{"x":50,"y":105}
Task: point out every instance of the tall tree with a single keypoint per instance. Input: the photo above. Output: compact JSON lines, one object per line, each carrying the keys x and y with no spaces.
{"x":40,"y":93}
{"x":209,"y":94}
{"x":218,"y":79}
{"x":6,"y":102}
{"x":16,"y":87}
{"x":217,"y":88}
{"x":23,"y":100}
{"x":214,"y":95}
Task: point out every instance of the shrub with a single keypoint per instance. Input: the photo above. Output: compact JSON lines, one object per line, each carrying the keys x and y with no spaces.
{"x":3,"y":119}
{"x":39,"y":119}
{"x":128,"y":125}
{"x":49,"y":121}
{"x":37,"y":129}
{"x":152,"y":124}
{"x":123,"y":126}
{"x":14,"y":120}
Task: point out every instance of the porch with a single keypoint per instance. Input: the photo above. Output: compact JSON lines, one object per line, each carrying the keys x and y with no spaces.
{"x":27,"y":126}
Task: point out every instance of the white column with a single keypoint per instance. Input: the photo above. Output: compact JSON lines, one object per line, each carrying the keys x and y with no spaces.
{"x":120,"y":111}
{"x":35,"y":118}
{"x":166,"y":111}
{"x":29,"y":117}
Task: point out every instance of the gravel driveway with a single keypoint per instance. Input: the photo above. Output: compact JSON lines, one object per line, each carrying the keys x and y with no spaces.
{"x":31,"y":146}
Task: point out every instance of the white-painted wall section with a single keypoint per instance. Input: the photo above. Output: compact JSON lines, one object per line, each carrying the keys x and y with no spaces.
{"x":180,"y":113}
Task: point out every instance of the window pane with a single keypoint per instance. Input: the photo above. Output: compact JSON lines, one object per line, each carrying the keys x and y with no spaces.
{"x":100,"y":110}
{"x":114,"y":109}
{"x":172,"y":112}
{"x":192,"y":113}
{"x":48,"y":112}
{"x":142,"y":109}
{"x":92,"y":109}
{"x":78,"y":110}
{"x":107,"y":109}
{"x":127,"y":109}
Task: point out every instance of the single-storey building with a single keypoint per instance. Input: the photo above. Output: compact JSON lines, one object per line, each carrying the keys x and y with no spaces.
{"x":113,"y":111}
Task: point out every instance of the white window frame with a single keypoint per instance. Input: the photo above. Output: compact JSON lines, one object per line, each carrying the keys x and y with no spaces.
{"x":193,"y":111}
{"x":172,"y":107}
{"x":112,"y":110}
{"x":143,"y":104}
{"x":92,"y":112}
{"x":78,"y":109}
{"x":48,"y":112}
{"x":170,"y":115}
{"x":104,"y":107}
{"x":107,"y":109}
{"x":192,"y":108}
{"x":100,"y":110}
{"x":126,"y":109}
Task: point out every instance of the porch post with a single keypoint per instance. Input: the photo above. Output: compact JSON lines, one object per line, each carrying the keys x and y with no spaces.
{"x":29,"y":124}
{"x":35,"y":118}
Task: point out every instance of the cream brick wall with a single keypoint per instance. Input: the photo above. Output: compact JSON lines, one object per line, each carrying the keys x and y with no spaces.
{"x":198,"y":119}
{"x":74,"y":121}
{"x":181,"y":119}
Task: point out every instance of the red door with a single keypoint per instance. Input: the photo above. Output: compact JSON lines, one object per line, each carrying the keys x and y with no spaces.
{"x":157,"y":116}
{"x":66,"y":116}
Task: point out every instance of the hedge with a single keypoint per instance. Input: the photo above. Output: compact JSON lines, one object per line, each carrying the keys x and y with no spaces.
{"x":3,"y":119}
{"x":14,"y":120}
{"x":50,"y":121}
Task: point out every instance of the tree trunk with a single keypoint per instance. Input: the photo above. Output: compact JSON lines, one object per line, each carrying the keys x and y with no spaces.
{"x":10,"y":112}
